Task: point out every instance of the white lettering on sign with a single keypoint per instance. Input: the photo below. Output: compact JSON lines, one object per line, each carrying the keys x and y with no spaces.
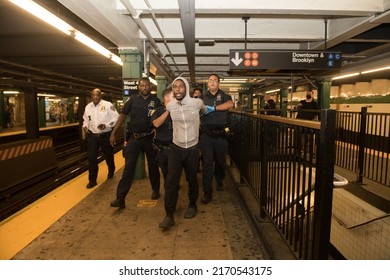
{"x":304,"y":57}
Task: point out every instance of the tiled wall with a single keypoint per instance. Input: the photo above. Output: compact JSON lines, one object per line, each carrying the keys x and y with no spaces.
{"x":369,"y":241}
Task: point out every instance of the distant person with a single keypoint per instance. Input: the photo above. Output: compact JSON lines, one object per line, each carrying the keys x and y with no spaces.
{"x":161,"y":119}
{"x":307,"y":104}
{"x":270,"y":105}
{"x":197,"y":93}
{"x":213,"y":139}
{"x":184,"y":153}
{"x":139,"y":107}
{"x":99,"y":117}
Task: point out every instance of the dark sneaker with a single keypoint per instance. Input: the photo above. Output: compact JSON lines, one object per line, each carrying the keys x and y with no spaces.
{"x":206,"y":199}
{"x":155,"y":195}
{"x":91,"y":184}
{"x":167,"y":222}
{"x":190,"y":213}
{"x":219,"y":187}
{"x":119,"y":203}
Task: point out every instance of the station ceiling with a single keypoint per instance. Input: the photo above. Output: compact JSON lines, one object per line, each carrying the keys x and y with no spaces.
{"x":189,"y":38}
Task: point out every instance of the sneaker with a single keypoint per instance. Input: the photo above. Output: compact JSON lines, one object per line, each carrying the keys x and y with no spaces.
{"x":118,"y":203}
{"x":190,"y":213}
{"x":167,"y":222}
{"x":155,"y":195}
{"x":91,"y":184}
{"x":207,"y":198}
{"x":219,"y":187}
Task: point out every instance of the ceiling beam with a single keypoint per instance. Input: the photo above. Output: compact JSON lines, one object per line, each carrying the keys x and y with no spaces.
{"x":187,"y":17}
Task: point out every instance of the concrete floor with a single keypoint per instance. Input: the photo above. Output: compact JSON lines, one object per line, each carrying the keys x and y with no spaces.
{"x":92,"y":230}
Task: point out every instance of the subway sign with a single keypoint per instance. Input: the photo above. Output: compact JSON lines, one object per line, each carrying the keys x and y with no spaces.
{"x":284,"y":60}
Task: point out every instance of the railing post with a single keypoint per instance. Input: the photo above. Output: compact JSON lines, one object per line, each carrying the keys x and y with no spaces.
{"x":362,"y":137}
{"x":324,"y":184}
{"x":264,"y":169}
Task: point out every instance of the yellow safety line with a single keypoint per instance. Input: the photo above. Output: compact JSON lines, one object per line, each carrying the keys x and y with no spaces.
{"x":17,"y":231}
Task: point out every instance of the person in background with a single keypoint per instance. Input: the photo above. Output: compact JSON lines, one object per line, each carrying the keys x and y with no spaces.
{"x":162,"y":121}
{"x":270,"y":105}
{"x":213,"y":139}
{"x":184,"y":153}
{"x":197,"y":93}
{"x":139,"y":107}
{"x":99,"y":117}
{"x":307,"y":104}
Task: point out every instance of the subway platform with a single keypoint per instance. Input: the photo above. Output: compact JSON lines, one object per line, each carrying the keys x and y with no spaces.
{"x":75,"y":223}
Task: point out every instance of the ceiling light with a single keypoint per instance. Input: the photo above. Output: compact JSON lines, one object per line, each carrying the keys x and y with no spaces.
{"x":53,"y":20}
{"x":273,"y":90}
{"x":232,"y":80}
{"x":10,"y":92}
{"x":376,"y":70}
{"x":346,"y":76}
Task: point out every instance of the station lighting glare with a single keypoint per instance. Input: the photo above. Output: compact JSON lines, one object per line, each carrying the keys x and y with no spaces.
{"x":274,"y":90}
{"x":43,"y":14}
{"x":346,"y":76}
{"x":10,"y":92}
{"x":376,"y":70}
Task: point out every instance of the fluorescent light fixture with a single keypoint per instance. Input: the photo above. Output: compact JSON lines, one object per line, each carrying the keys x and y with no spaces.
{"x":273,"y":90}
{"x":43,"y":14}
{"x":242,"y":80}
{"x":376,"y":70}
{"x":46,"y":95}
{"x":346,"y":76}
{"x":153,"y":81}
{"x":38,"y":11}
{"x":10,"y":92}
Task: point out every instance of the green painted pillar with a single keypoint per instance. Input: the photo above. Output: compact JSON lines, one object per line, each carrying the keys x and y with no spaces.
{"x":323,"y":98}
{"x":133,"y":61}
{"x":283,"y":102}
{"x":161,"y":85}
{"x":2,"y":110}
{"x":42,"y":111}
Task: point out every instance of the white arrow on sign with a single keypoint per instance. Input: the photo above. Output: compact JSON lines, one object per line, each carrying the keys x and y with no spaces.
{"x":237,"y":60}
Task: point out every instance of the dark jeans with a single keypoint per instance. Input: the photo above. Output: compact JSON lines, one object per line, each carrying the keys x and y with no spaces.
{"x":178,"y":159}
{"x":131,"y":152}
{"x":93,"y":143}
{"x":212,"y":149}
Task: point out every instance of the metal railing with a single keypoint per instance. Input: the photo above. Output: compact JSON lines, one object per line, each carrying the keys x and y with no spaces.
{"x":288,"y":165}
{"x":363,"y":145}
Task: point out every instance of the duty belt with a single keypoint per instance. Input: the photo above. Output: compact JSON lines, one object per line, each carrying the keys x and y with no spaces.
{"x":138,"y":135}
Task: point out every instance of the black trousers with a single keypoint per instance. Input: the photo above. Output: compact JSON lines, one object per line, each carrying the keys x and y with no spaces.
{"x":93,"y":143}
{"x":131,"y":151}
{"x":212,"y":148}
{"x":162,"y":160}
{"x":178,"y":159}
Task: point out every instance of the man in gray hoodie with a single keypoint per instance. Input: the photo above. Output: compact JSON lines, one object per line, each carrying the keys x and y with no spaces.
{"x":184,"y":112}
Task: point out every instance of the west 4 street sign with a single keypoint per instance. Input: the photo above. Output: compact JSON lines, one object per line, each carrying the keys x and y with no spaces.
{"x":284,"y":60}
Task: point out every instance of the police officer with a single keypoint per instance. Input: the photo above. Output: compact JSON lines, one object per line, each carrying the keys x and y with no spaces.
{"x":139,"y":107}
{"x":99,"y":118}
{"x":213,"y":138}
{"x":161,"y":119}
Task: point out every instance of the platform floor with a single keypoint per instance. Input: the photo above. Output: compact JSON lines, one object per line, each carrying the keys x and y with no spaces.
{"x":73,"y":222}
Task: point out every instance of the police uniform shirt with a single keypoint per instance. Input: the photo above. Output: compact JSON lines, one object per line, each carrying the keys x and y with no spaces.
{"x":103,"y":113}
{"x":217,"y":119}
{"x":140,"y":109}
{"x":164,"y":131}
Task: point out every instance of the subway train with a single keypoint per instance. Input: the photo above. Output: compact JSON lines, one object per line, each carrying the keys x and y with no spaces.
{"x":53,"y":53}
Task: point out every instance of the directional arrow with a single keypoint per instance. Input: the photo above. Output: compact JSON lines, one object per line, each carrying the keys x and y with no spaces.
{"x":237,"y":60}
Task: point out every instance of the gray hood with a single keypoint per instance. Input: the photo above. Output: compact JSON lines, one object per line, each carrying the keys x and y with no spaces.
{"x":187,"y":97}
